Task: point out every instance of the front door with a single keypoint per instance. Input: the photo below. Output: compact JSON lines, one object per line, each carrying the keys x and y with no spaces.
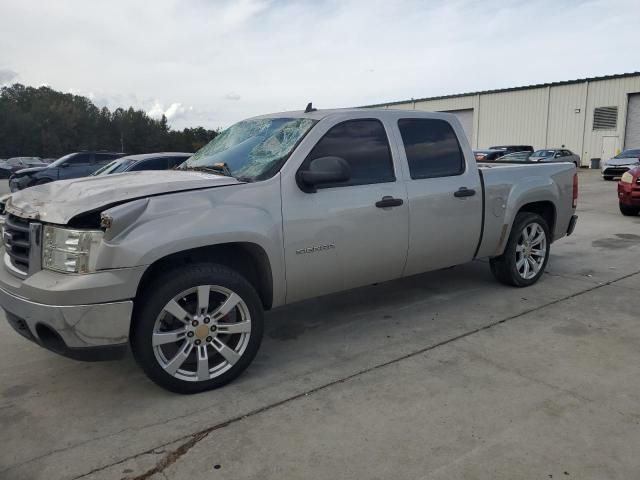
{"x":609,"y":146}
{"x":337,"y":238}
{"x":79,"y":165}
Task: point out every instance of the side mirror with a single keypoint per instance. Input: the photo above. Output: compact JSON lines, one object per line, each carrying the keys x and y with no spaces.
{"x":557,"y":155}
{"x":323,"y":170}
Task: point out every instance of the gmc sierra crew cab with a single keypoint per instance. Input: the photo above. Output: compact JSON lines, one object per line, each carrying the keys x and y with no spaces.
{"x":179,"y":265}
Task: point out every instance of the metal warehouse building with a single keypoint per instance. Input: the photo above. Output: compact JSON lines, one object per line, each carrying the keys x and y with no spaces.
{"x":595,"y":117}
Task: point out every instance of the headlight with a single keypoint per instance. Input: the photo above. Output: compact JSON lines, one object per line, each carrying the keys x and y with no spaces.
{"x":626,"y":178}
{"x":70,"y":251}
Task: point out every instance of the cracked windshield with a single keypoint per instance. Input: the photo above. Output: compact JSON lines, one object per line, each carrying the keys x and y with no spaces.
{"x":252,"y":149}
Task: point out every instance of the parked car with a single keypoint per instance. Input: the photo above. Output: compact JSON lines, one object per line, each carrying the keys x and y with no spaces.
{"x":555,"y":155}
{"x":145,"y":161}
{"x":629,"y":192}
{"x":517,"y":157}
{"x":180,"y":264}
{"x":488,"y":155}
{"x":616,"y":166}
{"x":12,"y":165}
{"x":74,"y":165}
{"x":513,"y":148}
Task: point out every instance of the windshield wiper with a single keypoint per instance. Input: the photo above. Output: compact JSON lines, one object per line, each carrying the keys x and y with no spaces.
{"x":217,"y":168}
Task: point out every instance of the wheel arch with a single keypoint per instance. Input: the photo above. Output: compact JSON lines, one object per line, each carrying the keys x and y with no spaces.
{"x":248,"y":259}
{"x":546,"y":209}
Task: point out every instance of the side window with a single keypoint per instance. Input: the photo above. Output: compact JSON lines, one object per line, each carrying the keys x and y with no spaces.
{"x":175,"y":161}
{"x":80,"y":159}
{"x":104,"y":158}
{"x":363,"y":145}
{"x":432,"y":148}
{"x":153,"y":164}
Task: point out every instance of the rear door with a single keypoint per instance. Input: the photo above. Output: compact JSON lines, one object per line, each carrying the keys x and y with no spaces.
{"x":341,"y":236}
{"x":444,"y":192}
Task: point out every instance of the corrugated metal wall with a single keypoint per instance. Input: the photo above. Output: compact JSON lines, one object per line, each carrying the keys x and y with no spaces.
{"x":548,"y":116}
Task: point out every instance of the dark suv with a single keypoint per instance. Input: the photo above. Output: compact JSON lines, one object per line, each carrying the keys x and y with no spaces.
{"x":74,"y":165}
{"x":513,"y":148}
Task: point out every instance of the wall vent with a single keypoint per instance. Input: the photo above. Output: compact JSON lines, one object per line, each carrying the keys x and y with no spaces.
{"x":605,"y":118}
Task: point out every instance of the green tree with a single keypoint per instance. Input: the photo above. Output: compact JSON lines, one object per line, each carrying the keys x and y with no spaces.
{"x":46,"y":123}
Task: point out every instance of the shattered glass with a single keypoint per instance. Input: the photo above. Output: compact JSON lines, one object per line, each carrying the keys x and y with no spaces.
{"x":253,"y":148}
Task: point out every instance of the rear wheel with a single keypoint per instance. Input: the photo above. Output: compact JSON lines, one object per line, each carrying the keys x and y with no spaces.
{"x":629,"y":210}
{"x":197,"y":328}
{"x":526,"y":253}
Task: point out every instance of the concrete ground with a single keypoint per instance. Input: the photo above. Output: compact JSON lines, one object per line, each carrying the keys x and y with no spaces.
{"x":446,"y":375}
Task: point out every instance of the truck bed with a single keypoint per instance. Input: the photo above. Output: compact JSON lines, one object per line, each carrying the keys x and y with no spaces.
{"x":509,"y":186}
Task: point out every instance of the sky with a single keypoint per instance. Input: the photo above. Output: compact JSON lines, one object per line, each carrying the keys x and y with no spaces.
{"x":214,"y":62}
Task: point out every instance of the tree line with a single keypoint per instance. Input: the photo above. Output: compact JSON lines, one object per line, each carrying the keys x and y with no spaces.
{"x":42,"y":122}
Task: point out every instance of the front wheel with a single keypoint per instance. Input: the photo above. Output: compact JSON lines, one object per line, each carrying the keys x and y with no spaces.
{"x":197,"y":328}
{"x":526,"y":253}
{"x":629,"y":210}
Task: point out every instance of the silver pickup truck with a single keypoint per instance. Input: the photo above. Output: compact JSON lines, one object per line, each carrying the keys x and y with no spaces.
{"x":180,"y":265}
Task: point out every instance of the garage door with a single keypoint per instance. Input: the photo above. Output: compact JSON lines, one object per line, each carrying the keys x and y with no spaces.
{"x":632,"y":132}
{"x":466,"y":119}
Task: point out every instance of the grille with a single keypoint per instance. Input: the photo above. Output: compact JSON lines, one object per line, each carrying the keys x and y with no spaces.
{"x":17,"y":242}
{"x":615,"y":170}
{"x":605,"y":118}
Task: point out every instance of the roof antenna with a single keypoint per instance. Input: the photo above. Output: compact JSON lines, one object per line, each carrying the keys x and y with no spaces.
{"x":309,"y":108}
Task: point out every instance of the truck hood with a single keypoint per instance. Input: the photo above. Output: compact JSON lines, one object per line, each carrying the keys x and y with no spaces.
{"x":58,"y":202}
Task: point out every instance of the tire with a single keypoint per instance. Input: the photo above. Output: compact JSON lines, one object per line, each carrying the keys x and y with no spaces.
{"x":608,"y":177}
{"x":167,"y":363}
{"x":629,"y":210}
{"x":508,"y":267}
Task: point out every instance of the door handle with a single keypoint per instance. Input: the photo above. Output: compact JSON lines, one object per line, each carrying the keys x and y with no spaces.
{"x":464,"y":192}
{"x":388,"y":201}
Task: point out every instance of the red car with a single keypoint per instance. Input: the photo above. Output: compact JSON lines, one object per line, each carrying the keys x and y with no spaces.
{"x":629,"y":192}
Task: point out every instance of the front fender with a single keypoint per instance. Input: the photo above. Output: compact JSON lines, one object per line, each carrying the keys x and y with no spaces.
{"x":147,"y":230}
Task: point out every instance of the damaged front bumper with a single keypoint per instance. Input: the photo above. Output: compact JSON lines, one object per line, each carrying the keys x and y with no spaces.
{"x":83,"y":332}
{"x":86,"y":317}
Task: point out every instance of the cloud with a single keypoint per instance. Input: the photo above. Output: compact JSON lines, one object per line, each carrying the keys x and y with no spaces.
{"x":282,"y":54}
{"x":7,"y":76}
{"x":175,"y":111}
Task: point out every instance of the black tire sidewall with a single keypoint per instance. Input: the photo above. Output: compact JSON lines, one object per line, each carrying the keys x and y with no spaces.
{"x":155,"y":296}
{"x":521,"y":221}
{"x":629,"y":210}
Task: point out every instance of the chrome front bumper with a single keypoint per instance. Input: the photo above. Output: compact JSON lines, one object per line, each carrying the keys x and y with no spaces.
{"x":85,"y":332}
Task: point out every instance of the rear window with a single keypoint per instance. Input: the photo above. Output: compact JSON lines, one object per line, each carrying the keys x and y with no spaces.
{"x":432,"y":148}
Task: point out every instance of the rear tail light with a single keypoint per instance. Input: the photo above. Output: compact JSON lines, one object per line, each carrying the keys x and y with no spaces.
{"x":575,"y":190}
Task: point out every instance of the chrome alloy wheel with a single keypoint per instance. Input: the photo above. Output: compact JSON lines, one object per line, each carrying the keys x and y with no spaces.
{"x":201,"y":333}
{"x":531,"y":251}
